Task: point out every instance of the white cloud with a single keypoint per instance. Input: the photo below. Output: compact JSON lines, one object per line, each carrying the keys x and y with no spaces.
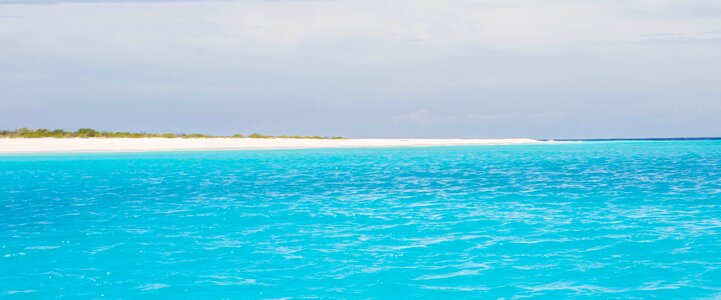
{"x":182,"y":30}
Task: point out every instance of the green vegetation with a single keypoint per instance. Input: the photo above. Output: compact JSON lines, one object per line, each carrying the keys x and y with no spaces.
{"x":92,"y":133}
{"x":259,"y":136}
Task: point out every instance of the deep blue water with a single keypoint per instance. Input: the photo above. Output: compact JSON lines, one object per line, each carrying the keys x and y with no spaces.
{"x":589,"y":219}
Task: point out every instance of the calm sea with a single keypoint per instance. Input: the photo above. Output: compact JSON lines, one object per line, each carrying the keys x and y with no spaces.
{"x":581,"y":219}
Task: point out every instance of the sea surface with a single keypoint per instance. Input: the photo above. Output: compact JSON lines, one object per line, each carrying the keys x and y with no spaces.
{"x":625,"y":219}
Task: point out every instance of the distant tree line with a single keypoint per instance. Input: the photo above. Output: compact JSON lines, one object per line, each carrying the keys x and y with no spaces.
{"x":92,"y":133}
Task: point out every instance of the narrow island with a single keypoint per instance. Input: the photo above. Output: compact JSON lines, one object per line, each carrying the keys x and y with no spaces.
{"x":26,"y":140}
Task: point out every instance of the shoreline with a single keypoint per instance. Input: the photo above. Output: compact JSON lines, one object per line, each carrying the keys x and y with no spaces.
{"x":81,"y":145}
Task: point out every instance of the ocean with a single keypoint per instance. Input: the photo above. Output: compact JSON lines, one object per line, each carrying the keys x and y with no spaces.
{"x":607,"y":219}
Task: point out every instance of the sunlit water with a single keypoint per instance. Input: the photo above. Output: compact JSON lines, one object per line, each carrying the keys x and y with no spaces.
{"x":602,"y":219}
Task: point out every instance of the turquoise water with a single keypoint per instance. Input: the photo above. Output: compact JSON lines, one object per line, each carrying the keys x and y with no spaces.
{"x":594,"y":219}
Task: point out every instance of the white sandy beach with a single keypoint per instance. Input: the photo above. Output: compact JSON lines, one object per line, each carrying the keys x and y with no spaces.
{"x":51,"y":145}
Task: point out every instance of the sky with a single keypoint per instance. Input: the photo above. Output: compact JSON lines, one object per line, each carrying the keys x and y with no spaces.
{"x":365,"y":68}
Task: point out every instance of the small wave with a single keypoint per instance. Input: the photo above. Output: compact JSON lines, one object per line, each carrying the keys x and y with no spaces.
{"x":152,"y":286}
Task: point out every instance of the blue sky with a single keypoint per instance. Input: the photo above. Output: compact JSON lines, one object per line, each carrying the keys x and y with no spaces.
{"x":431,"y":68}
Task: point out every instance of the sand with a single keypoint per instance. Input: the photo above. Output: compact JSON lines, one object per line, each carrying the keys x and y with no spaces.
{"x":52,"y":145}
